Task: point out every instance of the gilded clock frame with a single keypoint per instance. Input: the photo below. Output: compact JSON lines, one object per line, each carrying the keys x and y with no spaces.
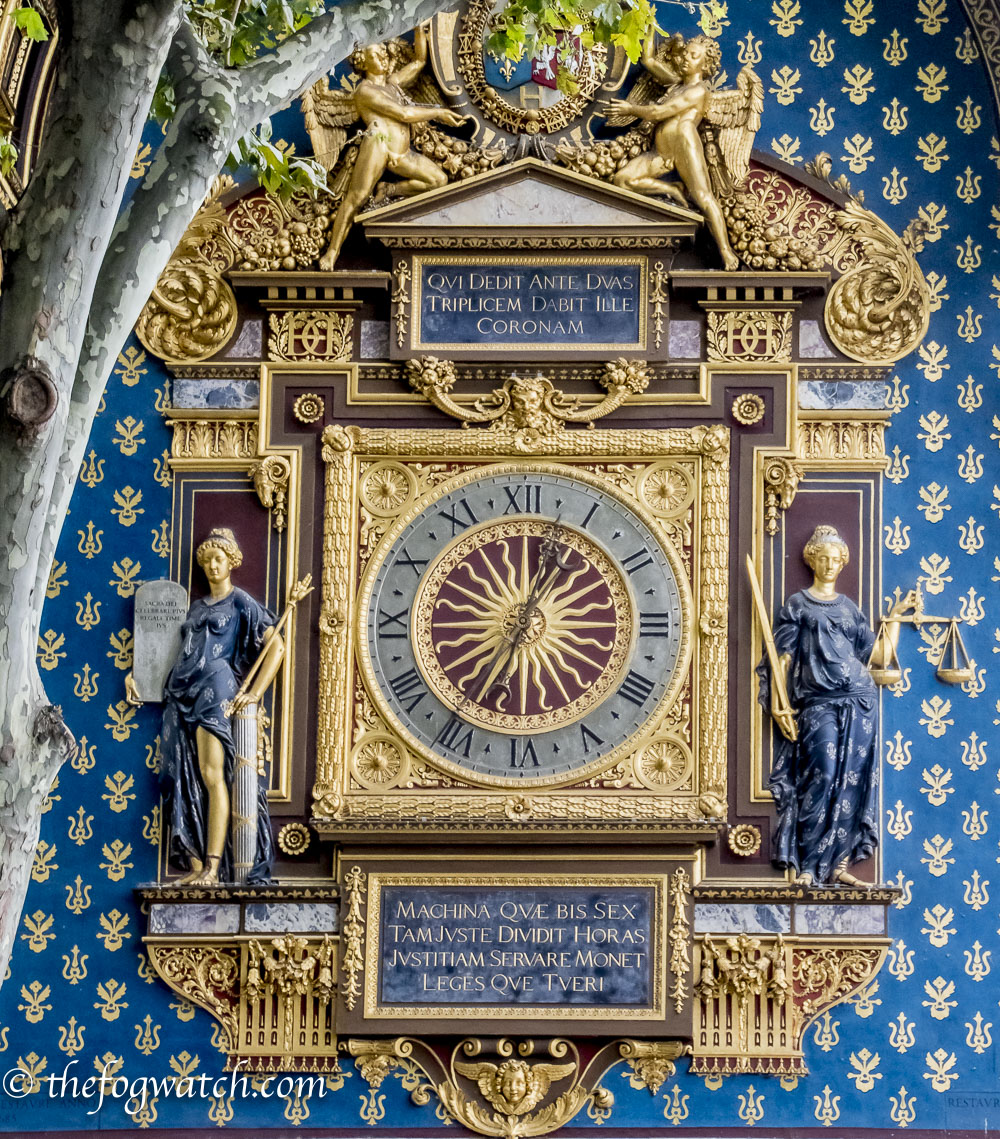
{"x":341,"y":805}
{"x":414,"y":509}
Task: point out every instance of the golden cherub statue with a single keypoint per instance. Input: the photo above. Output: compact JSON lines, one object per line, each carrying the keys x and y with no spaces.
{"x":515,"y":1087}
{"x":388,"y":113}
{"x":675,"y":93}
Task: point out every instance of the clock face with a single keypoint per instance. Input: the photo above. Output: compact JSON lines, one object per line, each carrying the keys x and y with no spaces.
{"x":523,"y":623}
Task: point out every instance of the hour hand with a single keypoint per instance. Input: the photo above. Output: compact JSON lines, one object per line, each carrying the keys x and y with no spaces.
{"x":501,"y":686}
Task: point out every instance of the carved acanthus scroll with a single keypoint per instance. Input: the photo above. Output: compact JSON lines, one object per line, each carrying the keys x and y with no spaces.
{"x":526,"y":406}
{"x":192,"y":311}
{"x":879,"y":310}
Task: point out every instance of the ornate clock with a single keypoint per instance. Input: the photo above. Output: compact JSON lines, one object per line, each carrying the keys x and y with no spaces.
{"x":523,"y":623}
{"x":508,"y":611}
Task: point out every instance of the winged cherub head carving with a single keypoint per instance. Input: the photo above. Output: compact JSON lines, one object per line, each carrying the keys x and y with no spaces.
{"x":514,"y":1087}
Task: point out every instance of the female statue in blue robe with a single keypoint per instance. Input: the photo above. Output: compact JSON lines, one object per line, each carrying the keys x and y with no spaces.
{"x":824,"y":768}
{"x":221,"y":638}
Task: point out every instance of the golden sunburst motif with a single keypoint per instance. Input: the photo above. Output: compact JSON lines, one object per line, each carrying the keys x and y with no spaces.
{"x":522,"y":626}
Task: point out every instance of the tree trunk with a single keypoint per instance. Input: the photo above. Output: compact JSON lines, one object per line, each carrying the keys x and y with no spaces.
{"x":54,"y":243}
{"x":76,"y":276}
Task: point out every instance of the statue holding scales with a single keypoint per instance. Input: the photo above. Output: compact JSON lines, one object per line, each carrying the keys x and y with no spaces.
{"x":817,"y":683}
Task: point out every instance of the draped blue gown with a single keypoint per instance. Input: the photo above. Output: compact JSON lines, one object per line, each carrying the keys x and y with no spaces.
{"x":825,"y":783}
{"x":220,"y":640}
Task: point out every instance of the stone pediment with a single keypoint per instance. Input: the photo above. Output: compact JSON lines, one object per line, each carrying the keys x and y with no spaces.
{"x":531,"y":196}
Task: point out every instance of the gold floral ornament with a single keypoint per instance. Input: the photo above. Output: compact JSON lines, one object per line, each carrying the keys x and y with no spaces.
{"x":275,"y":235}
{"x":378,"y":761}
{"x":666,"y":489}
{"x":294,"y":839}
{"x":527,"y":407}
{"x":518,"y":807}
{"x":748,"y":409}
{"x":879,"y":310}
{"x":744,"y":839}
{"x":308,"y":407}
{"x":663,"y":763}
{"x":386,"y":488}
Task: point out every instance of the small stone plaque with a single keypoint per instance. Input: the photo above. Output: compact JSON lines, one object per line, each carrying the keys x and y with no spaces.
{"x":524,"y":303}
{"x":475,"y":947}
{"x":160,"y":609}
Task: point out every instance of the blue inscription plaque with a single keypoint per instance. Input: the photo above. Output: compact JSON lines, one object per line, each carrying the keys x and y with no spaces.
{"x":530,"y":302}
{"x":516,"y":945}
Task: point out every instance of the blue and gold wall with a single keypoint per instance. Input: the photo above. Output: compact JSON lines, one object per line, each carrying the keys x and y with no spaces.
{"x":899,"y":95}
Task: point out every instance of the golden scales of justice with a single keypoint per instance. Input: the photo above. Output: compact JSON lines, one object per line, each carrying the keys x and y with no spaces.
{"x":954,"y":665}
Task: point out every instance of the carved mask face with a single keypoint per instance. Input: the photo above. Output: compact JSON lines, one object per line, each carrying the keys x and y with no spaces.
{"x":527,"y":400}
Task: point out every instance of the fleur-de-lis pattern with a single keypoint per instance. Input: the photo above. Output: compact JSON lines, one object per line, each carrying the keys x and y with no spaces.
{"x":899,"y":96}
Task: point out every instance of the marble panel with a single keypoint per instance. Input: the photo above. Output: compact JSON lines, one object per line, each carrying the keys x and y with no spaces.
{"x":291,"y":917}
{"x":210,"y":917}
{"x":528,"y":203}
{"x":374,"y":340}
{"x":741,"y":917}
{"x":834,"y":395}
{"x":840,"y":919}
{"x":208,"y":393}
{"x":685,"y":340}
{"x":812,"y":342}
{"x":247,"y":346}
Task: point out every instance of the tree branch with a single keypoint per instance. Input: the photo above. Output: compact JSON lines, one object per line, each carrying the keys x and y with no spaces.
{"x":216,"y":106}
{"x":275,"y":79}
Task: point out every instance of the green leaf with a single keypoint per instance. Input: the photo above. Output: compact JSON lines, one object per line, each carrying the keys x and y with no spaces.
{"x":164,"y":105}
{"x":29,"y":23}
{"x":280,"y":16}
{"x":8,"y":154}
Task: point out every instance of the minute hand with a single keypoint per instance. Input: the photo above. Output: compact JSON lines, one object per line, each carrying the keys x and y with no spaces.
{"x":550,"y":551}
{"x":505,"y":650}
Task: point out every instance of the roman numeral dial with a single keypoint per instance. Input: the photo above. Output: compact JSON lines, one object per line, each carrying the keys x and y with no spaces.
{"x":522,"y":623}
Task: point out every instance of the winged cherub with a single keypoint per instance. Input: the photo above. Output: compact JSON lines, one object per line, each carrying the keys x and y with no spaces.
{"x":381,"y":102}
{"x":514,"y":1087}
{"x":684,"y":138}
